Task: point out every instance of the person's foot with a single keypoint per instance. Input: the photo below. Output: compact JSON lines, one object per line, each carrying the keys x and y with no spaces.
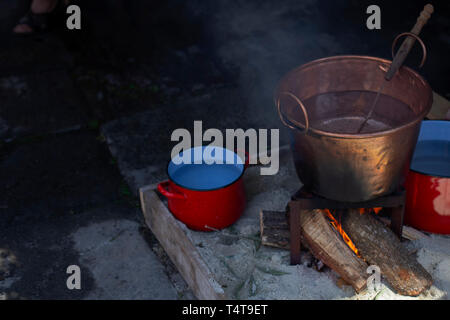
{"x":23,"y":28}
{"x":36,"y":17}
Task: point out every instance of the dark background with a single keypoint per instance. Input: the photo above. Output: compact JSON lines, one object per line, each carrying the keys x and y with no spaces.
{"x":79,"y":109}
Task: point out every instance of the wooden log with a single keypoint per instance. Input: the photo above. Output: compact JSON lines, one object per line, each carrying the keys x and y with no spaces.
{"x":274,"y":229}
{"x":327,"y":245}
{"x":175,"y":240}
{"x":408,"y":232}
{"x":275,"y":233}
{"x":378,"y":245}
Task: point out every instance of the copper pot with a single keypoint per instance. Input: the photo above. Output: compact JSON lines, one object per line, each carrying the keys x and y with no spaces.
{"x":325,"y":101}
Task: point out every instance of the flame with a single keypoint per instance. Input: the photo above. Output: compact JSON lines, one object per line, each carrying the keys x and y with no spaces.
{"x":377,"y":210}
{"x":368,"y":210}
{"x":341,"y":231}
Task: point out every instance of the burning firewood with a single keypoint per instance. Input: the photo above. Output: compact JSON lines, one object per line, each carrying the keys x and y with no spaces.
{"x":375,"y":243}
{"x":321,"y":239}
{"x":378,"y":245}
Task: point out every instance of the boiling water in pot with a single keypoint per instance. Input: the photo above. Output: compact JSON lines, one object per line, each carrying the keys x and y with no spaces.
{"x":344,"y":112}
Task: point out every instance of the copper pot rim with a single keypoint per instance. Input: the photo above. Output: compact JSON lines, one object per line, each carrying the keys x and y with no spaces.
{"x":318,"y":132}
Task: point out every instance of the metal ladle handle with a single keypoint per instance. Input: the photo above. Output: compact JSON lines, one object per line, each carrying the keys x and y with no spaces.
{"x":407,"y":44}
{"x":302,"y":106}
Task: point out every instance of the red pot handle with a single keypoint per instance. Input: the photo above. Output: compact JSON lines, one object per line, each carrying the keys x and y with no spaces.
{"x":162,"y":188}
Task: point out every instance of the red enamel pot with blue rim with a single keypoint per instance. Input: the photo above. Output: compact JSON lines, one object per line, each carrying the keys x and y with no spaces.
{"x":205,"y":190}
{"x":427,"y":185}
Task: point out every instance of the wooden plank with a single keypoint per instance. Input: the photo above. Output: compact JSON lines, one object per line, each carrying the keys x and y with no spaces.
{"x":440,"y":108}
{"x":179,"y":247}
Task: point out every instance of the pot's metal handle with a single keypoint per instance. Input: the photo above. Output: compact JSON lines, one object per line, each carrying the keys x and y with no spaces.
{"x":407,"y":44}
{"x":302,"y":106}
{"x":162,"y":188}
{"x":424,"y":49}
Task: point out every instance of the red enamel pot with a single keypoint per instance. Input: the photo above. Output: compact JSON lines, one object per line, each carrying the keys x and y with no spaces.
{"x":205,"y":189}
{"x":427,"y":185}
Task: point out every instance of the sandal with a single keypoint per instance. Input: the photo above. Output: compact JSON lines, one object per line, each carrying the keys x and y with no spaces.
{"x":36,"y":22}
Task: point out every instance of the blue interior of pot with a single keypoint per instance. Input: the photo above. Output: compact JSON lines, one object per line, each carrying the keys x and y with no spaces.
{"x":205,"y":168}
{"x":432,"y":153}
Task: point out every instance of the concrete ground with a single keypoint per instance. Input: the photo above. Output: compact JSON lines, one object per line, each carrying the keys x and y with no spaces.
{"x":86,"y":118}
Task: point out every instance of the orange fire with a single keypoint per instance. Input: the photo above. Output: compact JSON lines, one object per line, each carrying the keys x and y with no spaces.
{"x":341,"y":231}
{"x":375,"y":210}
